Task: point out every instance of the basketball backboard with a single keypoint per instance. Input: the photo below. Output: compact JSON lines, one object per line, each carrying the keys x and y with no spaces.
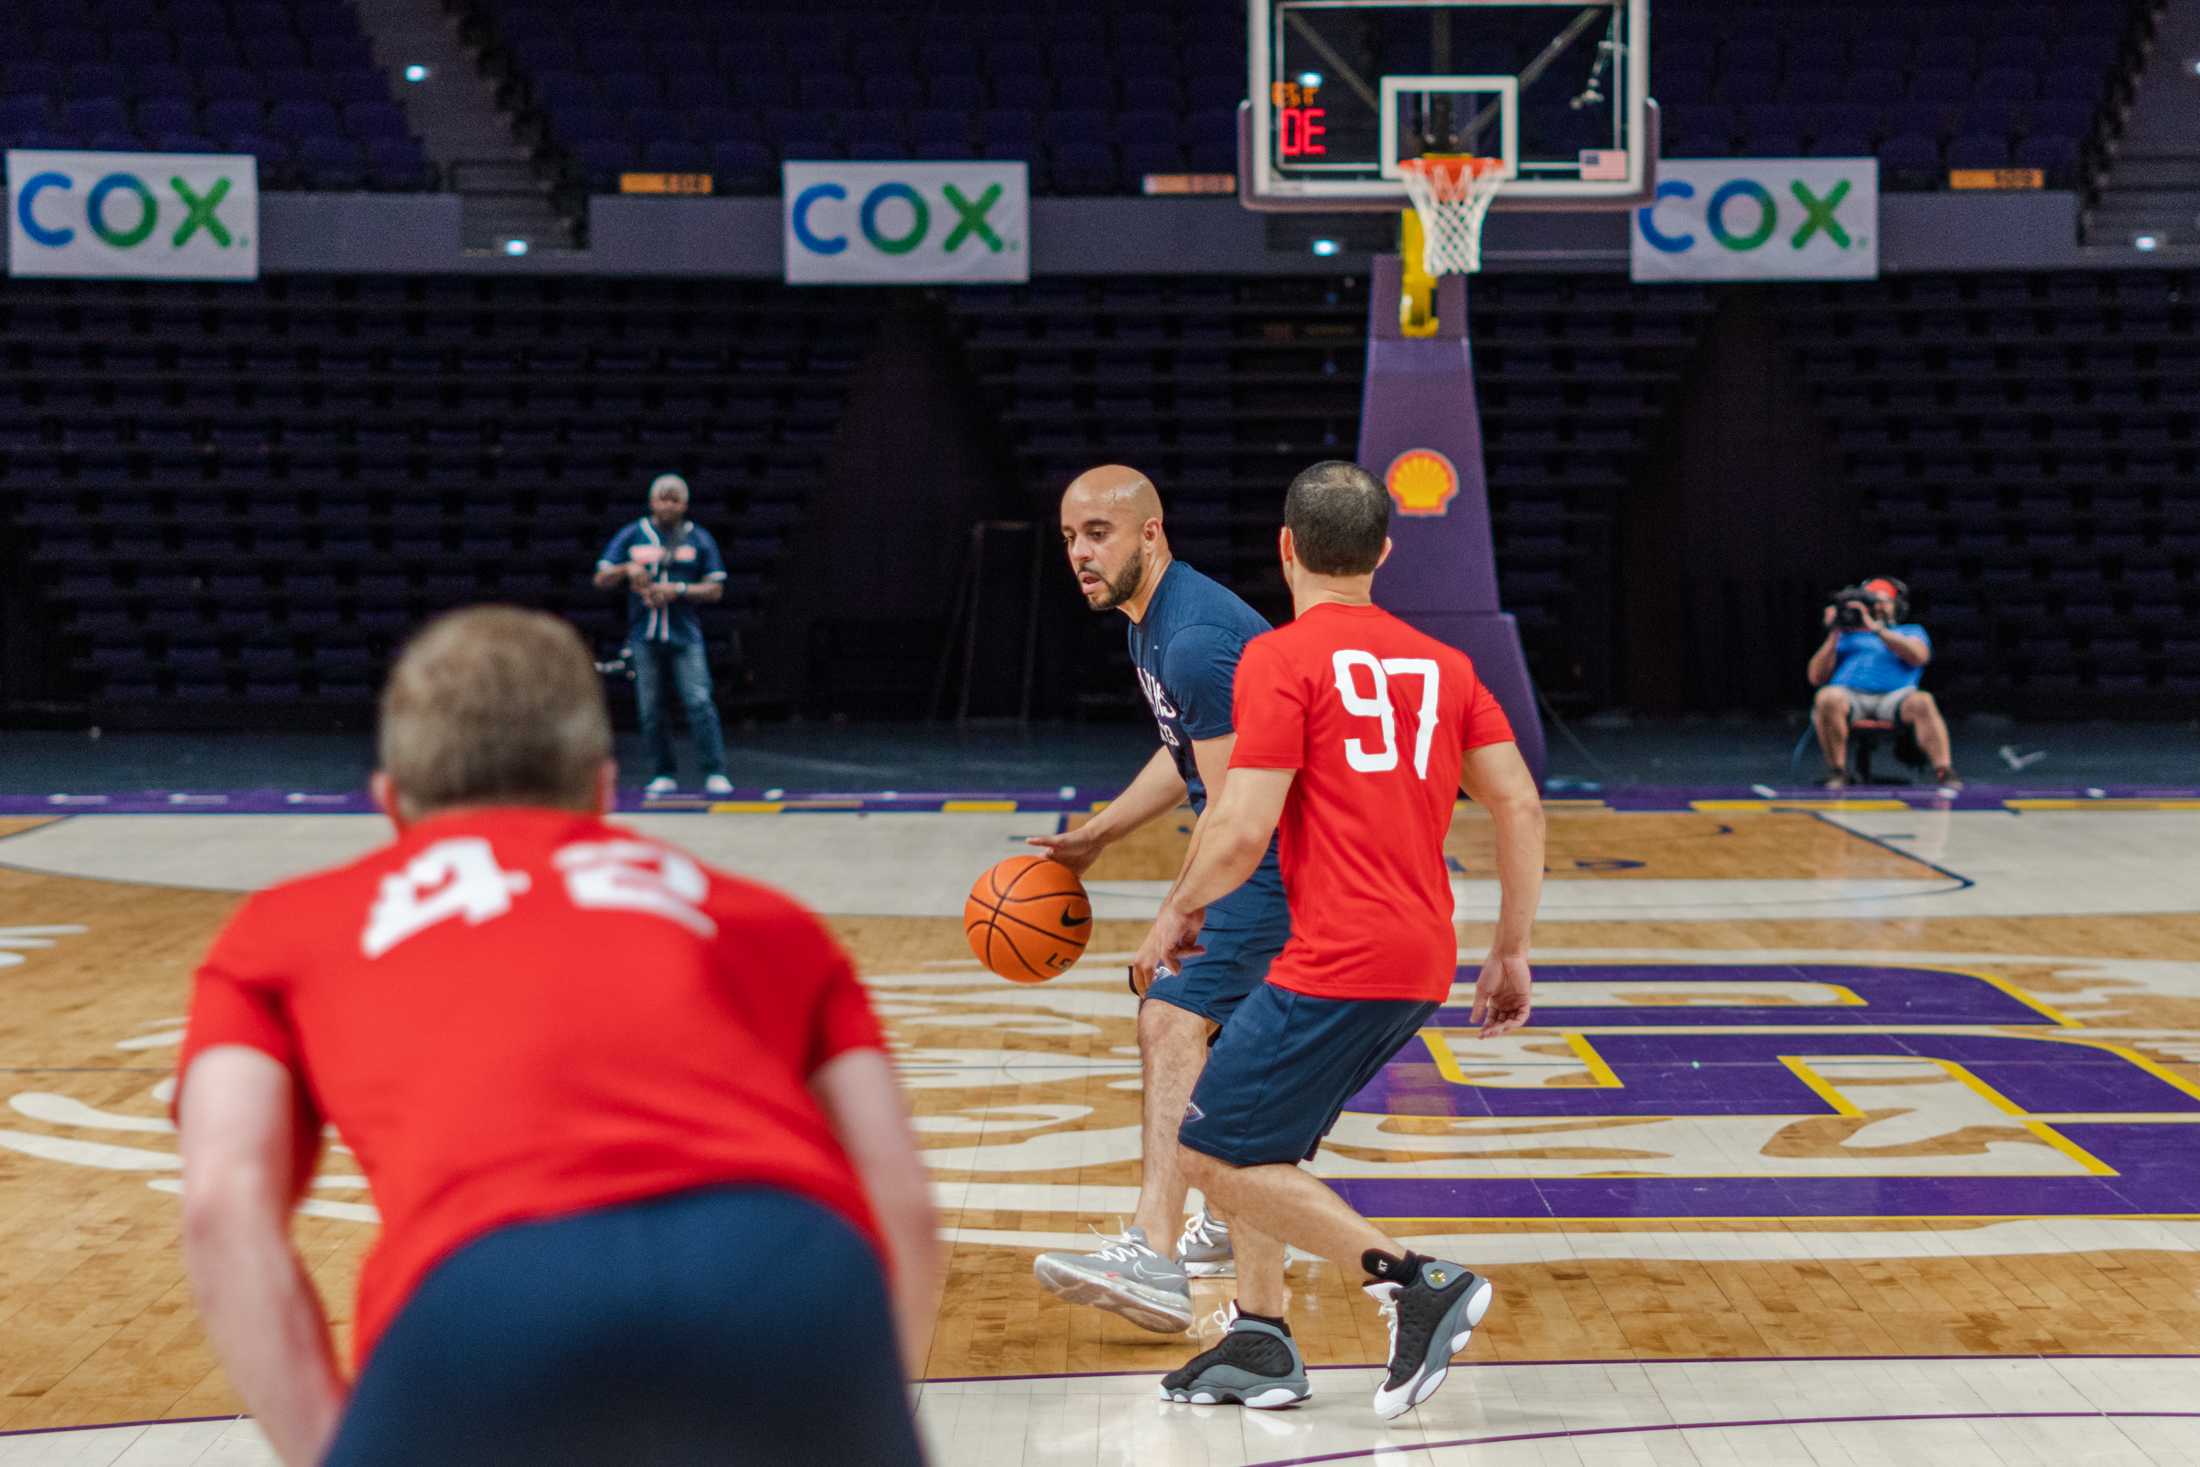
{"x":1339,"y":91}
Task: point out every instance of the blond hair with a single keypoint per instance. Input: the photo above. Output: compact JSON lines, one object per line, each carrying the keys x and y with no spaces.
{"x":494,"y":705}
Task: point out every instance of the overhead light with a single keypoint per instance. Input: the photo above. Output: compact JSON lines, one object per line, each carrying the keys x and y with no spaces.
{"x":515,"y":247}
{"x":1326,"y":247}
{"x":2146,"y":243}
{"x":2194,"y":65}
{"x":1310,"y":79}
{"x":416,"y":73}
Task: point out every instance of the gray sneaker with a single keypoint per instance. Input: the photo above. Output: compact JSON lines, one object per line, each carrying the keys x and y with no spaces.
{"x":1127,"y":1276}
{"x":1254,"y":1365}
{"x":1431,"y":1320}
{"x":1204,"y":1248}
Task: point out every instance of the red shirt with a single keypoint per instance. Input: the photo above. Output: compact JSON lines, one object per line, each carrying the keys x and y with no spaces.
{"x":523,"y":1013}
{"x":1375,"y":717}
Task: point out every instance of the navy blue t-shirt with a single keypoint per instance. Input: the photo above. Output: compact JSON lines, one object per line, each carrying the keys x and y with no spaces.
{"x":688,"y":555}
{"x":1185,"y":653}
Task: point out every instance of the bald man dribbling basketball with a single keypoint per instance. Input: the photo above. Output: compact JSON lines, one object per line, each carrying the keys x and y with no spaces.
{"x":1186,"y":633}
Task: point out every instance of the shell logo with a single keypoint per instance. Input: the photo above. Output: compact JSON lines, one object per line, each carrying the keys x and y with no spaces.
{"x":1422,"y":482}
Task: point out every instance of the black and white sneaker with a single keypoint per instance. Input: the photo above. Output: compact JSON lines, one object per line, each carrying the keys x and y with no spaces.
{"x":1431,"y":1320}
{"x":1255,"y":1364}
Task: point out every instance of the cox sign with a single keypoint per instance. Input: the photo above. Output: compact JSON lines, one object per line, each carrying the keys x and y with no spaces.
{"x":192,"y":216}
{"x":1761,"y":219}
{"x":898,"y":223}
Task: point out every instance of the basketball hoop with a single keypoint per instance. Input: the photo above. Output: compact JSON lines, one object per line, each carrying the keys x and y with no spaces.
{"x":1451,"y":193}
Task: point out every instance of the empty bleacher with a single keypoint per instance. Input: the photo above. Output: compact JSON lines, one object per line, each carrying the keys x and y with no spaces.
{"x":1224,"y":389}
{"x":292,"y":82}
{"x":253,"y":493}
{"x":1094,"y":98}
{"x":2028,"y":451}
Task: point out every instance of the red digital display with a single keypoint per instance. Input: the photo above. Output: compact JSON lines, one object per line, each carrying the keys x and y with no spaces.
{"x":1300,"y":131}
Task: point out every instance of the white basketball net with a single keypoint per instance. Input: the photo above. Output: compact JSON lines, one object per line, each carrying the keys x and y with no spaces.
{"x":1451,"y":195}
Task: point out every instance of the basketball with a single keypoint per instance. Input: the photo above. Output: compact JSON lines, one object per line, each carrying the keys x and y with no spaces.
{"x":1027,"y":919}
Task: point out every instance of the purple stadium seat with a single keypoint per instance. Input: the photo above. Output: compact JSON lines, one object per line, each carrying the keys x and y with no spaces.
{"x":744,"y":167}
{"x":97,"y":79}
{"x":1979,"y":150}
{"x":226,"y":83}
{"x":676,"y":155}
{"x":205,"y":49}
{"x":877,"y":127}
{"x":165,"y":80}
{"x":725,"y":124}
{"x":901,"y":93}
{"x":652,"y":124}
{"x":140,"y":48}
{"x":2056,"y":156}
{"x":936,"y":125}
{"x":329,"y":162}
{"x":89,"y":115}
{"x":234,"y":115}
{"x":357,"y":84}
{"x":1082,"y":167}
{"x":24,"y":113}
{"x":1022,"y":89}
{"x":67,"y":47}
{"x":156,"y":115}
{"x":1911,"y":160}
{"x":631,"y":89}
{"x":2008,"y":84}
{"x":337,"y":52}
{"x":1010,"y":125}
{"x":270,"y":51}
{"x":827,"y":92}
{"x":697,"y":91}
{"x":116,"y":142}
{"x":959,"y":93}
{"x":298,"y":119}
{"x":185,"y":142}
{"x":369,"y":120}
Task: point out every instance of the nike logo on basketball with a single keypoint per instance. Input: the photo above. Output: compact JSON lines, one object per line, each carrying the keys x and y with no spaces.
{"x":1069,"y":921}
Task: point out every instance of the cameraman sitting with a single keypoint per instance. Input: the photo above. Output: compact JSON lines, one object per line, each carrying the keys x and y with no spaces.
{"x":1868,"y":667}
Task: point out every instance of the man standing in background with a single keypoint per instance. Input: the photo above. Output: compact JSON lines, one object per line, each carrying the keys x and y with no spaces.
{"x":669,"y":565}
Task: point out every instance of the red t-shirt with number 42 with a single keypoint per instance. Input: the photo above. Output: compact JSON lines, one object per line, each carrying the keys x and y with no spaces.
{"x":517,"y":1014}
{"x":1375,"y":717}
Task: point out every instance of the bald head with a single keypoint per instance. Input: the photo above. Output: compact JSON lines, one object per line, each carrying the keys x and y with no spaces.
{"x":1111,"y":530}
{"x":1116,"y":491}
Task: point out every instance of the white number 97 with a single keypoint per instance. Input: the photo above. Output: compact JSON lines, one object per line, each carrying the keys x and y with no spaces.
{"x":1376,"y":705}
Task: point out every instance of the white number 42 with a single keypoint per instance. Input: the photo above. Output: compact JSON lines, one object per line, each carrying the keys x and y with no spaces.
{"x":1348,"y":665}
{"x":460,"y":878}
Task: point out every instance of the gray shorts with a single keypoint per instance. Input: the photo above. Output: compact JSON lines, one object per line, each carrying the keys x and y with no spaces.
{"x":1879,"y":707}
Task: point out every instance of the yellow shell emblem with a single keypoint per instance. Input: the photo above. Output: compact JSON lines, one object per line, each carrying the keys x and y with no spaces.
{"x":1422,"y":482}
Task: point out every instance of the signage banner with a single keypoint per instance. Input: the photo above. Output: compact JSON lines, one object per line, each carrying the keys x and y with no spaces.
{"x":906,"y":223}
{"x":1760,"y":219}
{"x":160,"y":216}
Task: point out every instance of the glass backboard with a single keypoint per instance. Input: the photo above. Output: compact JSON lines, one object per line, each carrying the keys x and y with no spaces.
{"x":1341,"y":90}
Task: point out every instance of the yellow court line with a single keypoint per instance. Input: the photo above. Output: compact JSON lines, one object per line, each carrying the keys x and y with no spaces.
{"x":1820,"y":1086}
{"x":978,"y":807}
{"x":1761,"y":807}
{"x":2131,"y":1056}
{"x":1601,"y":1074}
{"x":747,"y":807}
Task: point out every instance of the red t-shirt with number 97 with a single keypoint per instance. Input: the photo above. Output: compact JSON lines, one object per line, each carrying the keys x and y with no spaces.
{"x":519,"y":1013}
{"x":1375,"y":717}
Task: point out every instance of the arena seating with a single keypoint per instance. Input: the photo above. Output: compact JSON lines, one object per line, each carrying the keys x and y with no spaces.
{"x":253,"y":492}
{"x":1224,"y":389}
{"x":292,"y":82}
{"x":249,"y":492}
{"x":1097,"y":97}
{"x":2029,"y":451}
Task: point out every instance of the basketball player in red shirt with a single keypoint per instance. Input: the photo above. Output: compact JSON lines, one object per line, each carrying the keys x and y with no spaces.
{"x":1354,"y":731}
{"x":642,"y":1165}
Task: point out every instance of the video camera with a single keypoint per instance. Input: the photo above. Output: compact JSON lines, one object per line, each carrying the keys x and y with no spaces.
{"x":1851,"y":602}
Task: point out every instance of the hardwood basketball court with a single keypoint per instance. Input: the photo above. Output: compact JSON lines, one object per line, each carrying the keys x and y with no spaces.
{"x":1848,"y":1132}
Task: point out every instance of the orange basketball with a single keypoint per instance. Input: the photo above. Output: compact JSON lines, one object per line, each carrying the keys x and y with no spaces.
{"x":1027,"y":919}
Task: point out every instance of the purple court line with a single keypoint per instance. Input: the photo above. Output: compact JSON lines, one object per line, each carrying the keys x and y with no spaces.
{"x":1544,"y":1436}
{"x":1651,"y":1360}
{"x":121,"y":1425}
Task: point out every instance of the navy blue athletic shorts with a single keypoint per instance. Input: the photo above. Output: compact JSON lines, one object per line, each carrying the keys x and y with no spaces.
{"x":1284,"y":1066}
{"x":1238,"y":952}
{"x":727,"y":1325}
